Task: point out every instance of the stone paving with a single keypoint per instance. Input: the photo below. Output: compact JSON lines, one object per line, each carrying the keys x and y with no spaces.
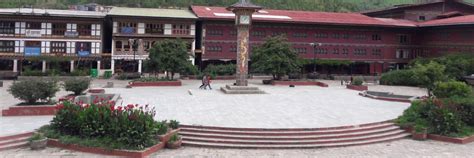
{"x":281,"y":107}
{"x":405,"y":148}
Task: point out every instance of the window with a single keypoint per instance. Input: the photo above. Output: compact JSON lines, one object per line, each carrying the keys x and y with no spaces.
{"x":127,"y":27}
{"x":7,"y":46}
{"x":335,"y":51}
{"x":233,"y":49}
{"x":181,"y":29}
{"x":59,"y":29}
{"x":360,"y":52}
{"x":301,"y":50}
{"x":321,"y":51}
{"x":346,"y":36}
{"x":300,"y":35}
{"x":321,"y":35}
{"x":83,"y":47}
{"x":279,"y":33}
{"x":421,"y":18}
{"x":403,"y":39}
{"x":33,"y":25}
{"x":345,"y":51}
{"x":58,"y":47}
{"x":336,"y":36}
{"x":84,"y":29}
{"x":118,"y":45}
{"x":376,"y":37}
{"x":214,"y":32}
{"x":32,"y":44}
{"x":214,"y":49}
{"x":401,"y":53}
{"x":233,"y":33}
{"x":360,"y":37}
{"x":154,"y":29}
{"x":259,"y":34}
{"x":7,"y":28}
{"x":377,"y":52}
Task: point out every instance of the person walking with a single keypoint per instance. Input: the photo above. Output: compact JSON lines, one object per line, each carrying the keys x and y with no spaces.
{"x":204,"y":78}
{"x":208,"y":82}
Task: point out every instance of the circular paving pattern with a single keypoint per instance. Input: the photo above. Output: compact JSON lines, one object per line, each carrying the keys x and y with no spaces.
{"x":282,"y":107}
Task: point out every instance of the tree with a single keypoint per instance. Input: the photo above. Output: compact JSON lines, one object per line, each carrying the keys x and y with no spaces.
{"x":429,"y":74}
{"x":275,"y":57}
{"x":170,"y":56}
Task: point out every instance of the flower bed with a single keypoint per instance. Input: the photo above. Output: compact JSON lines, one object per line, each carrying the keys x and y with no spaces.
{"x":104,"y":128}
{"x":300,"y":83}
{"x":357,"y":88}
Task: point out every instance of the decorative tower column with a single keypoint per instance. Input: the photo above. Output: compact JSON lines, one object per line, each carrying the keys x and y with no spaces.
{"x":243,"y":20}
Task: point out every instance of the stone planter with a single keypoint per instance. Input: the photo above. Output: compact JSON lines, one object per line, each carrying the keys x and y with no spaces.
{"x":423,"y":135}
{"x":155,"y":84}
{"x":38,"y":144}
{"x":175,"y":145}
{"x":267,"y":82}
{"x":357,"y":88}
{"x":166,"y":137}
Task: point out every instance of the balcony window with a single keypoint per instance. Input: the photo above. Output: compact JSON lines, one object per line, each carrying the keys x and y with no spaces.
{"x":403,"y":39}
{"x":214,"y":49}
{"x":7,"y":46}
{"x":377,"y":52}
{"x":300,"y":35}
{"x":7,"y":27}
{"x":301,"y":50}
{"x":59,"y":29}
{"x":181,"y":29}
{"x":33,"y":25}
{"x":127,"y":27}
{"x":321,"y":35}
{"x":84,"y":29}
{"x":118,"y":45}
{"x":83,"y":48}
{"x":58,"y":47}
{"x":214,"y":32}
{"x":376,"y":37}
{"x":154,"y":29}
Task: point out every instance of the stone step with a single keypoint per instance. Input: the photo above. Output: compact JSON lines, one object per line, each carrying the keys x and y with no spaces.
{"x":284,"y":129}
{"x":14,"y":145}
{"x":292,"y":146}
{"x":13,"y":141}
{"x":291,"y":137}
{"x":241,"y":87}
{"x":9,"y":137}
{"x":287,"y":133}
{"x":231,"y":91}
{"x":290,"y":142}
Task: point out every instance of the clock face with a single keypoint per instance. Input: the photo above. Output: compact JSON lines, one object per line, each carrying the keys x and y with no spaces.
{"x":244,"y":19}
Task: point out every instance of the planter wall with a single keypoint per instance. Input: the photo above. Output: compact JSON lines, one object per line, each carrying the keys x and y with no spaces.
{"x":386,"y":98}
{"x":357,"y":88}
{"x":464,"y":140}
{"x":155,"y":84}
{"x":230,"y":77}
{"x":300,"y":83}
{"x":30,"y":110}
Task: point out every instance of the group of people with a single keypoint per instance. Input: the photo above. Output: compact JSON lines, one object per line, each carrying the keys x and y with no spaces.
{"x":206,"y":82}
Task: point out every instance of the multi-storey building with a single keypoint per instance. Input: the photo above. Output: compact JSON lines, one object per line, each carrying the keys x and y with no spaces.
{"x":144,"y":27}
{"x":29,"y":38}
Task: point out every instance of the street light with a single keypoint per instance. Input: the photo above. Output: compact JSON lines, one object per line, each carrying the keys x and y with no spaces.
{"x":134,"y":45}
{"x":314,"y":45}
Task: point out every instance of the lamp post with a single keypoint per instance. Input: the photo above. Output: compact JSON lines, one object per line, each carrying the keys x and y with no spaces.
{"x":314,"y":45}
{"x":134,"y":45}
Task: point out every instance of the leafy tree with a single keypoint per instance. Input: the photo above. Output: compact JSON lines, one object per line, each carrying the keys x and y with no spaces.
{"x":275,"y":57}
{"x":171,"y":56}
{"x":429,"y":74}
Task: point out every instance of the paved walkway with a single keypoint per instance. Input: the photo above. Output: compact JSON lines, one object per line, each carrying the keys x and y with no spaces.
{"x":405,"y":148}
{"x":282,"y":107}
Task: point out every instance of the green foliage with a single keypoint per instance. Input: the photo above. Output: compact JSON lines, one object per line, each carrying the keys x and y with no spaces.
{"x":419,"y":110}
{"x":152,"y":79}
{"x":80,"y":72}
{"x":174,"y":124}
{"x":220,"y":70}
{"x":456,"y":65}
{"x":36,"y":136}
{"x":429,"y":74}
{"x":32,"y":91}
{"x":171,"y":56}
{"x":77,"y":85}
{"x":128,"y":76}
{"x":175,"y":137}
{"x":358,"y":81}
{"x":275,"y":57}
{"x":446,"y":120}
{"x":452,"y":89}
{"x":399,"y":77}
{"x":466,"y":108}
{"x":162,"y":127}
{"x":131,"y":127}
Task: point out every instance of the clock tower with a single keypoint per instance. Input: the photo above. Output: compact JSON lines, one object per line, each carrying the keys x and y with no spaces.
{"x":243,"y":11}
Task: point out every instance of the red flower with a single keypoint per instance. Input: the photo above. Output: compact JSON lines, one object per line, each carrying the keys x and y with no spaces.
{"x":112,"y":107}
{"x":130,"y":106}
{"x":59,"y":106}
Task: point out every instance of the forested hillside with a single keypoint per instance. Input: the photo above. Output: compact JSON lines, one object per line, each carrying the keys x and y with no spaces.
{"x":313,"y":5}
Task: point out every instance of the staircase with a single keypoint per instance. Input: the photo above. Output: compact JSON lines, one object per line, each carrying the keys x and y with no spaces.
{"x":201,"y":136}
{"x":14,"y":141}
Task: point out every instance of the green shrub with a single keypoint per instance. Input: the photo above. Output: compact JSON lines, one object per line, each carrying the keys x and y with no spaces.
{"x":36,"y":136}
{"x":417,"y":111}
{"x":80,"y":72}
{"x":152,"y":79}
{"x":34,"y":90}
{"x":29,"y":72}
{"x":399,"y":77}
{"x":162,"y":127}
{"x":445,"y":120}
{"x":77,"y":85}
{"x":452,"y":89}
{"x":174,"y":124}
{"x":175,"y":137}
{"x":358,"y":81}
{"x":220,"y":70}
{"x":128,"y":76}
{"x":466,"y":108}
{"x":131,"y":127}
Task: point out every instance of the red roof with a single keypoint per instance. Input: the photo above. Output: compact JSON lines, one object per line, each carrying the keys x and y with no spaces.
{"x":460,"y":20}
{"x":287,"y":16}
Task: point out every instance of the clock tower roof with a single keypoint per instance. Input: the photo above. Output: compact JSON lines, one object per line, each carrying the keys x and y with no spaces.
{"x":244,"y":4}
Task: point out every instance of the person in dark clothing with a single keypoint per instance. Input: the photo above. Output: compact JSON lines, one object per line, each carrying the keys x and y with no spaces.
{"x":204,"y":78}
{"x":208,"y":82}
